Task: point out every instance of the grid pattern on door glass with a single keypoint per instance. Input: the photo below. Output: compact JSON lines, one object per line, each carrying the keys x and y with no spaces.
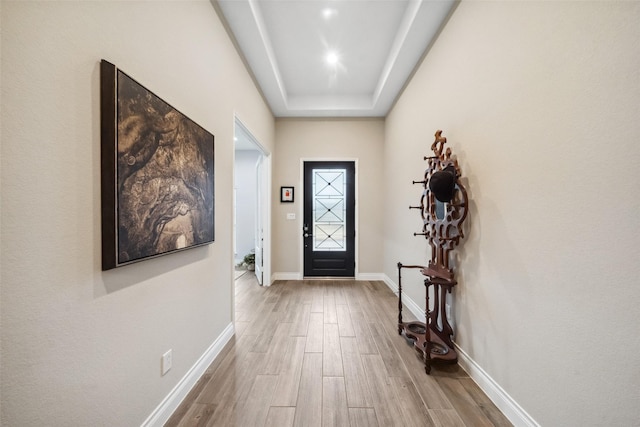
{"x":329,"y":209}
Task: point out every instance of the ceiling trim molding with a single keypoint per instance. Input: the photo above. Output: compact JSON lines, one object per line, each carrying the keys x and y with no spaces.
{"x":266,"y":42}
{"x":401,"y":36}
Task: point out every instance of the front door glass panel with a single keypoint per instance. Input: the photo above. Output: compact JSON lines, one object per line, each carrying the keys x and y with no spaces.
{"x":329,"y":210}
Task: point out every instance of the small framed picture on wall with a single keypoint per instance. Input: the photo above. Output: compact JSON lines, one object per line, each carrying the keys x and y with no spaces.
{"x":286,"y":194}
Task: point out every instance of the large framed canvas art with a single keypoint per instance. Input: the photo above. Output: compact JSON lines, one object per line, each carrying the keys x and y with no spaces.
{"x":157,"y":174}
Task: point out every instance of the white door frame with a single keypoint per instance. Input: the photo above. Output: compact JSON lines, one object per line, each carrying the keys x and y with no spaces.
{"x":265,"y":214}
{"x":258,"y":228}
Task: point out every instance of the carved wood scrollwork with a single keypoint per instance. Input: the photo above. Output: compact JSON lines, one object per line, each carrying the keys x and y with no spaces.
{"x":442,"y":230}
{"x":443,"y":209}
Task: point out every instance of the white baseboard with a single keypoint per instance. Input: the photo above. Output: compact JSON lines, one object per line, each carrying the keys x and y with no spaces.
{"x":286,"y":276}
{"x":170,"y":403}
{"x":370,"y":276}
{"x":509,"y":407}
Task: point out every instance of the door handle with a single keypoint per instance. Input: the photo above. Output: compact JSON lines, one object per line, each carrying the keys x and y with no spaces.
{"x":307,"y":235}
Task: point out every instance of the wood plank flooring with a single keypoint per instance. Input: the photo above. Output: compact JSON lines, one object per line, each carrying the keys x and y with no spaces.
{"x":327,"y":353}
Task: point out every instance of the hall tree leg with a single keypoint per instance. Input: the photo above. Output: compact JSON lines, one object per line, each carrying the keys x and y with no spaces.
{"x":400,"y":327}
{"x":427,"y":331}
{"x":408,"y":328}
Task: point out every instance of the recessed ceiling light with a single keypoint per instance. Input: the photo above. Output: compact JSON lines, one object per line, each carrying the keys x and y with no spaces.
{"x":328,"y":12}
{"x":332,"y":58}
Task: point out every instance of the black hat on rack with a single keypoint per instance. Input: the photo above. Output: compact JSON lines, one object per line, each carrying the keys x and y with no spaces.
{"x":443,"y":184}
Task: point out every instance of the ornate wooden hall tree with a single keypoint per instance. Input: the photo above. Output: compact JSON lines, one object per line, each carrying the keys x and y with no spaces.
{"x":443,"y":213}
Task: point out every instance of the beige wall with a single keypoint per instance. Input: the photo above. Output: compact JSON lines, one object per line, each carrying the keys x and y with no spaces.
{"x":356,"y":139}
{"x":540,"y":101}
{"x":81,"y":346}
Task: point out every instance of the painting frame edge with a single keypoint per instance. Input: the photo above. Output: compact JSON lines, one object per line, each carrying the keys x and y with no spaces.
{"x":108,"y":154}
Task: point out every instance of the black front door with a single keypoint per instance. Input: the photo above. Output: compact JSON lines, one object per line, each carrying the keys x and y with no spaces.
{"x":329,"y":219}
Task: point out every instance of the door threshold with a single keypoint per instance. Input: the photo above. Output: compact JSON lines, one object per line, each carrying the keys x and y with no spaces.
{"x":328,"y":278}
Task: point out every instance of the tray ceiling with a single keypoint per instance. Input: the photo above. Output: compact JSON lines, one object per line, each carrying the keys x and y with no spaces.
{"x":333,"y":58}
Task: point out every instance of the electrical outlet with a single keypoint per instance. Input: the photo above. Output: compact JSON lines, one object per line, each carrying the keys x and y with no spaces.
{"x":166,"y":362}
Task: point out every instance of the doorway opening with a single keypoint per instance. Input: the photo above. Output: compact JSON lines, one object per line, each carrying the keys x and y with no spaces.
{"x":251,"y":205}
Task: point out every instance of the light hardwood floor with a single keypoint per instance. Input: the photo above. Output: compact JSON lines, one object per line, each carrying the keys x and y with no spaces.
{"x":327,"y":353}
